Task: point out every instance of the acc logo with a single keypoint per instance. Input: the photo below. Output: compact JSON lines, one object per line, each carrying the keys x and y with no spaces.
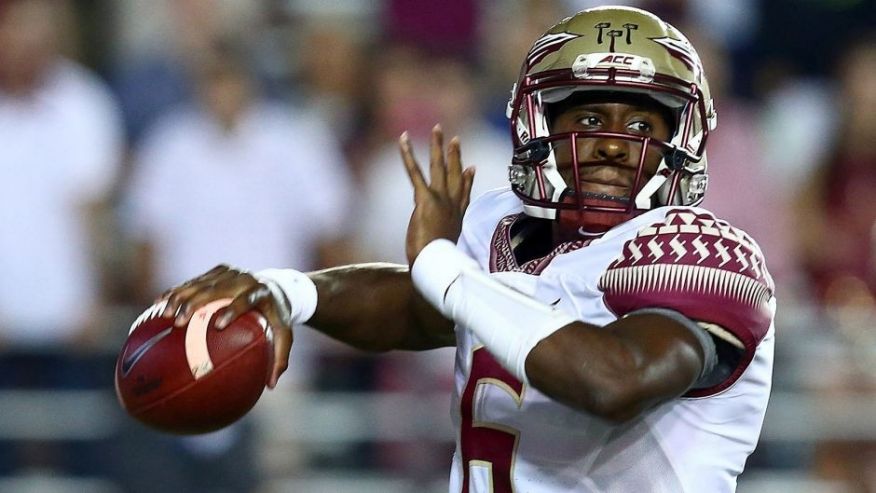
{"x":616,"y":60}
{"x":596,"y":65}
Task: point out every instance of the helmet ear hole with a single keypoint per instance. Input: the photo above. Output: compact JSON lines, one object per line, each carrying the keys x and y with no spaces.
{"x":535,"y":151}
{"x":676,"y":159}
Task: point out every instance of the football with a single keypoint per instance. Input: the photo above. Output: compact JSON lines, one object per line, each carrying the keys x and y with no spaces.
{"x":193,"y":379}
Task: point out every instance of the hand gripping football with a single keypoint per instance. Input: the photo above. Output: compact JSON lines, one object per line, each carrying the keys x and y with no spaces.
{"x":193,"y":379}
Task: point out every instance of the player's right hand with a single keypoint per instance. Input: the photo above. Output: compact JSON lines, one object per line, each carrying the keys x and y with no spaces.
{"x":246,"y":293}
{"x":439,"y":204}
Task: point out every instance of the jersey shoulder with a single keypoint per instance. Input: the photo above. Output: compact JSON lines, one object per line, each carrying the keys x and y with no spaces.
{"x":497,"y":202}
{"x":483,"y":216}
{"x":688,"y":260}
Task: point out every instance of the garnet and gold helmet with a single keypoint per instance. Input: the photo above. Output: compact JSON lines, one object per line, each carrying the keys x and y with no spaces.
{"x":615,"y":52}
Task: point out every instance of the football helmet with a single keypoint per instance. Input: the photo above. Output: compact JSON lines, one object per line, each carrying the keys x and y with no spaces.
{"x":615,"y":51}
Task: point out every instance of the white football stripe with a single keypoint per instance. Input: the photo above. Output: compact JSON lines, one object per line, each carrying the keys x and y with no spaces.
{"x":150,"y":313}
{"x":197,"y":354}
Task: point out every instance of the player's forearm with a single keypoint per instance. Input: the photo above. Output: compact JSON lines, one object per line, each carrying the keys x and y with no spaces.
{"x":601,"y":371}
{"x":375,"y":307}
{"x":583,"y":369}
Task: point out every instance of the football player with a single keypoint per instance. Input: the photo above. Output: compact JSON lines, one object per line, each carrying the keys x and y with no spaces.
{"x":610,"y":334}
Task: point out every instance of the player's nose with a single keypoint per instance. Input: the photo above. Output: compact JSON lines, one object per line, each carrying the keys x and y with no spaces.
{"x":617,"y":150}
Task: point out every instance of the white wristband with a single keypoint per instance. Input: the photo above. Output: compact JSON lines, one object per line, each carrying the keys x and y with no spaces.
{"x":296,"y":287}
{"x":508,"y":322}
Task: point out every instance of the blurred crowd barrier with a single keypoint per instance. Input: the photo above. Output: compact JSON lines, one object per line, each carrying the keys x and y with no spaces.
{"x":143,"y":142}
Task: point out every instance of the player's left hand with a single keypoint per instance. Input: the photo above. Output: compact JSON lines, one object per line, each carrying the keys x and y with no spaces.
{"x":440,"y":204}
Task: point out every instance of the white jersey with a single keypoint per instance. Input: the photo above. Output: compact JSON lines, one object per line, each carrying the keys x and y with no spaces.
{"x":511,"y":437}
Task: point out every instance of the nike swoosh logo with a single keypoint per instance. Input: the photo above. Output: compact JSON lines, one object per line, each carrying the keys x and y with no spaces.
{"x":132,"y":359}
{"x":555,"y":303}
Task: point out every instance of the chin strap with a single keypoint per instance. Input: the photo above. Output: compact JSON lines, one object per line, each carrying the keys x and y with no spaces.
{"x":644,"y":197}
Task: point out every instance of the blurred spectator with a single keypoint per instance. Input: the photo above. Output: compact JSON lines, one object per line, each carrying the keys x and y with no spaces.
{"x":836,"y":203}
{"x":155,"y":41}
{"x":796,"y":146}
{"x":509,"y":29}
{"x":271,"y":187}
{"x":60,"y":143}
{"x":414,"y":91}
{"x":836,"y":227}
{"x":233,"y":179}
{"x":332,"y":61}
{"x":59,"y":151}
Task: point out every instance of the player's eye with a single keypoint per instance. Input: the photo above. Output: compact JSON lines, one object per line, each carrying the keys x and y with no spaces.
{"x":590,"y":121}
{"x":640,"y":127}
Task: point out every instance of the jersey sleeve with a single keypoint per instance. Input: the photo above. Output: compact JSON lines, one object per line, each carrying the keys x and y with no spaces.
{"x":703,"y":268}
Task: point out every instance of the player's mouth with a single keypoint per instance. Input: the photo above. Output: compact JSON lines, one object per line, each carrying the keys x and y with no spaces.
{"x":609,"y":188}
{"x":605,"y":181}
{"x":603,"y":197}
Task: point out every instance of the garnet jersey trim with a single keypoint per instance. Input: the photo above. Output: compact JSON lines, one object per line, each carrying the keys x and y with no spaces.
{"x":502,"y":257}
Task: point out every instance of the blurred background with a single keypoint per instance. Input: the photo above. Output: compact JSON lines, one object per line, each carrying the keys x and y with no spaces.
{"x":144,"y":141}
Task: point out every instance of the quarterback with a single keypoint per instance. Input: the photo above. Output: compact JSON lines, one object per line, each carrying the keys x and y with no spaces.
{"x":611,"y":335}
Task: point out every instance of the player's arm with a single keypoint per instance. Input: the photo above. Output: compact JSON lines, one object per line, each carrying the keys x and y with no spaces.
{"x":375,"y":307}
{"x":618,"y":371}
{"x":369,"y":306}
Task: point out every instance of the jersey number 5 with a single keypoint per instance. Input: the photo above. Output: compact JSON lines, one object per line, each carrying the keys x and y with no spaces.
{"x":487,"y":446}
